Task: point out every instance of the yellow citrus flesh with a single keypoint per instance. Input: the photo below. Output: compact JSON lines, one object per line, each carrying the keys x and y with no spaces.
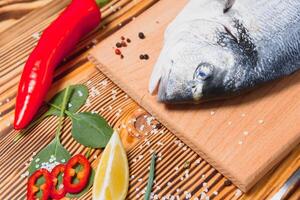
{"x":112,"y":175}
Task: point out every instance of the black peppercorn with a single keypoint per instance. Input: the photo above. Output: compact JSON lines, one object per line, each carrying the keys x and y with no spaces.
{"x":118,"y":45}
{"x":142,"y":35}
{"x":142,"y":57}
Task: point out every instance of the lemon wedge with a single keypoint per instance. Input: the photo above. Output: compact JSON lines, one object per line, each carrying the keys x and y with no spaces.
{"x":112,"y":174}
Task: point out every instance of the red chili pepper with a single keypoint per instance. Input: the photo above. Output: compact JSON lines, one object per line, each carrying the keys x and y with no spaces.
{"x":32,"y":188}
{"x":82,"y":175}
{"x":60,"y":192}
{"x":56,"y":42}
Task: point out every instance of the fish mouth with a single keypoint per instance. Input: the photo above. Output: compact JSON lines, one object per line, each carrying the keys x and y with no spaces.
{"x":170,"y":92}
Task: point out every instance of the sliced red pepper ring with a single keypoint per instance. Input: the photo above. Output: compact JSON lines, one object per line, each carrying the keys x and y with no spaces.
{"x":76,"y":174}
{"x":33,"y":188}
{"x":57,"y":192}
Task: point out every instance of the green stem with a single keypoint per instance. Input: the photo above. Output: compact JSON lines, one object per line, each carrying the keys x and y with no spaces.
{"x":101,"y":3}
{"x":62,"y":113}
{"x":151,"y":177}
{"x":88,"y":153}
{"x":58,"y":108}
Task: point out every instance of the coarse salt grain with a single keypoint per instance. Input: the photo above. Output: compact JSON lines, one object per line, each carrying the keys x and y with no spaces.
{"x":238,"y":193}
{"x":203,"y":195}
{"x":240,"y":142}
{"x":198,"y":161}
{"x":36,"y":36}
{"x":245,"y":132}
{"x":260,"y":121}
{"x":212,"y":112}
{"x":142,"y":127}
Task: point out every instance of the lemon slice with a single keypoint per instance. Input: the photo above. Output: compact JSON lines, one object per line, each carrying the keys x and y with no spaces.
{"x":112,"y":175}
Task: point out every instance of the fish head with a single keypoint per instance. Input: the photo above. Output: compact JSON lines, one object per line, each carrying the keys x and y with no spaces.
{"x":197,"y":67}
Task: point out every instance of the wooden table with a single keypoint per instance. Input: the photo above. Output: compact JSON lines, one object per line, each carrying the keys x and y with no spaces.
{"x":180,"y":171}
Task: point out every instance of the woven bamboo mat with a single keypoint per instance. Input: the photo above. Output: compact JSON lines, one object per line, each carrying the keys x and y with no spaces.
{"x":179,"y":170}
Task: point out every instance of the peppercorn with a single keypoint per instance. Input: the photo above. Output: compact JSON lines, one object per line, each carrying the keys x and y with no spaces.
{"x":117,"y":52}
{"x":227,"y":183}
{"x":146,"y":56}
{"x":142,"y":35}
{"x":123,"y":43}
{"x":118,"y":45}
{"x":128,"y":40}
{"x":142,"y":57}
{"x":122,"y":56}
{"x":122,"y":38}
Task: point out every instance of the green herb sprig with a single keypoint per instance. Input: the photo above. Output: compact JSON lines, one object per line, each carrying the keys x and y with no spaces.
{"x":88,"y":129}
{"x":151,"y":177}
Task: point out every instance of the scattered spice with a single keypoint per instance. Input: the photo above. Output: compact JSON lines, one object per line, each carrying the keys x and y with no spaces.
{"x":128,"y":40}
{"x":122,"y":38}
{"x":142,"y":57}
{"x":118,"y":45}
{"x":118,"y":52}
{"x":142,"y":35}
{"x":151,"y":177}
{"x":124,"y":44}
{"x":227,"y":183}
{"x":122,"y":56}
{"x":158,"y":126}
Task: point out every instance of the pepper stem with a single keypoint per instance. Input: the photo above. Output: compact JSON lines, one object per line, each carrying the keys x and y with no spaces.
{"x":101,"y":3}
{"x":62,"y":112}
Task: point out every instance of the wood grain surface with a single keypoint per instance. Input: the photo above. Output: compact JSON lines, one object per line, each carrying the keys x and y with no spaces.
{"x":242,"y":137}
{"x":16,"y":44}
{"x":12,"y":11}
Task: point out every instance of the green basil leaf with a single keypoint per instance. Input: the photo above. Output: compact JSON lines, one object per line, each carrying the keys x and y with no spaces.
{"x":78,"y":97}
{"x":52,"y":153}
{"x":86,"y":189}
{"x":90,"y":130}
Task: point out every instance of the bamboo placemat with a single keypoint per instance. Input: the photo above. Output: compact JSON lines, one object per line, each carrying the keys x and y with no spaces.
{"x":175,"y":176}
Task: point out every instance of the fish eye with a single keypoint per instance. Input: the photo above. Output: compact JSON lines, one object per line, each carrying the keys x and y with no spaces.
{"x":203,"y":71}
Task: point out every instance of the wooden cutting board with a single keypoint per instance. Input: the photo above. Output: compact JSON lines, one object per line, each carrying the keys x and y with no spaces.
{"x":242,"y":137}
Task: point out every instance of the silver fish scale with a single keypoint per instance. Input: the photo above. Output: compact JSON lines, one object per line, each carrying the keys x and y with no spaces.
{"x":209,"y":54}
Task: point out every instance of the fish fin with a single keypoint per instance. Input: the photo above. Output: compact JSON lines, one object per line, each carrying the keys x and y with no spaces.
{"x":158,"y":71}
{"x":228,"y":5}
{"x":154,"y":81}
